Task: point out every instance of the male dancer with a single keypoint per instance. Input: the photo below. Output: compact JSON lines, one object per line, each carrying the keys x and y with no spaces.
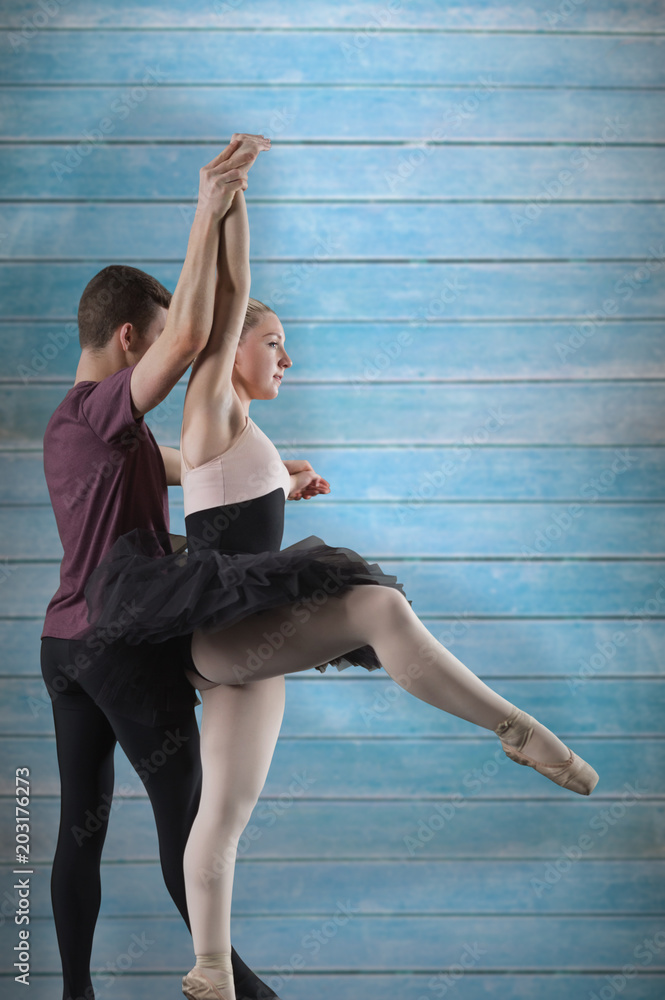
{"x":106,"y":475}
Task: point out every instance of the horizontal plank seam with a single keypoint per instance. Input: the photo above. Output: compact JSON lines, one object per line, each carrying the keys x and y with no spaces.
{"x":351,"y":84}
{"x":322,"y":30}
{"x":388,"y":502}
{"x":369,"y":199}
{"x":388,"y":320}
{"x":210,"y":141}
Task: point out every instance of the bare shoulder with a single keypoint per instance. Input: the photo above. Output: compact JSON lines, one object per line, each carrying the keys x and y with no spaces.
{"x":210,"y":428}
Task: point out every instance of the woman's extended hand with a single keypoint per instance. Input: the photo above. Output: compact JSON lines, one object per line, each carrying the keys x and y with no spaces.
{"x":307,"y":484}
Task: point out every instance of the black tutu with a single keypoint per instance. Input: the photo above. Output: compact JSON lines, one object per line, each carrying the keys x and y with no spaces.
{"x":143,"y":591}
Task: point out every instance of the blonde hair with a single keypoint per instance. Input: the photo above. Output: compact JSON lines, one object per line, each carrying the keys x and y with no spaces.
{"x":255,"y":312}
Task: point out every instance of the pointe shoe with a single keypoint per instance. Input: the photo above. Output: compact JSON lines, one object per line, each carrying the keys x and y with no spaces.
{"x":197,"y":986}
{"x":573,"y":773}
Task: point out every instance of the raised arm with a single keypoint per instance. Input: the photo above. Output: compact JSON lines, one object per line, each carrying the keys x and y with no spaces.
{"x":212,"y":370}
{"x":214,"y":365}
{"x":209,"y":407}
{"x":190,"y":313}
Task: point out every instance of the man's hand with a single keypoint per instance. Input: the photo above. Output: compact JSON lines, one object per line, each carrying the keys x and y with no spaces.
{"x":227,"y":173}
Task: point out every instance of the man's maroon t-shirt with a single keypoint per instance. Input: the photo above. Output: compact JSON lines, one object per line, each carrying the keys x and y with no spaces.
{"x":105,"y":475}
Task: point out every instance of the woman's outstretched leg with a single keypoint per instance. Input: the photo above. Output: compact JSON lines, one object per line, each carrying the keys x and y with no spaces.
{"x":239,"y":729}
{"x":279,"y":641}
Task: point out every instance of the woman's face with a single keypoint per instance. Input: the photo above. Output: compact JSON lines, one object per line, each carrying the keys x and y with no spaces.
{"x":261,"y":360}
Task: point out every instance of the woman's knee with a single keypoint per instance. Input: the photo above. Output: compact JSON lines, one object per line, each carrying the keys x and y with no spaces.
{"x":229,"y":817}
{"x":374,"y":606}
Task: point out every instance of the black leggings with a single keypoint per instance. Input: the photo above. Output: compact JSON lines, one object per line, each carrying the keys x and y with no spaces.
{"x":167,"y":758}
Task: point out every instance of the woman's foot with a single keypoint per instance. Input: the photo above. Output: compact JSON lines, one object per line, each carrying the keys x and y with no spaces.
{"x":557,"y":763}
{"x":544,"y":746}
{"x":210,"y":979}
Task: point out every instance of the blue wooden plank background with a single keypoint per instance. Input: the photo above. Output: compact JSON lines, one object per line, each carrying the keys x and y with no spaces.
{"x":460,"y":224}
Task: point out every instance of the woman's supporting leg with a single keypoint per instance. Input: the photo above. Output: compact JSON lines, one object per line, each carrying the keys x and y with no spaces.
{"x":239,"y":729}
{"x":282,"y":640}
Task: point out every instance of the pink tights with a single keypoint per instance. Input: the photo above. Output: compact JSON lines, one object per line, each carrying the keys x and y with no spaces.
{"x":243,"y":707}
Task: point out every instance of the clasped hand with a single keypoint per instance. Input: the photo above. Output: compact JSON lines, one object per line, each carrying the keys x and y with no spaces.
{"x":305,"y":483}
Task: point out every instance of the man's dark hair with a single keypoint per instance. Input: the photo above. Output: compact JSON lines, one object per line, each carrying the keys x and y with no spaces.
{"x":118,"y":294}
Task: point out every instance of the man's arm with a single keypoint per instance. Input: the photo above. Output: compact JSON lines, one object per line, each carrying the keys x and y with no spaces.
{"x":190,"y":313}
{"x":214,"y":365}
{"x":171,"y":458}
{"x":296,"y":465}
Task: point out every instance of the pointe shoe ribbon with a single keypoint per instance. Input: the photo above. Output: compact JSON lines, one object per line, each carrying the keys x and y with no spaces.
{"x":197,"y":986}
{"x":574,"y":773}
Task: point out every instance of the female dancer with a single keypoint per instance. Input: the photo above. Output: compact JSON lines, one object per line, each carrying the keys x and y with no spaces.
{"x":242,"y":598}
